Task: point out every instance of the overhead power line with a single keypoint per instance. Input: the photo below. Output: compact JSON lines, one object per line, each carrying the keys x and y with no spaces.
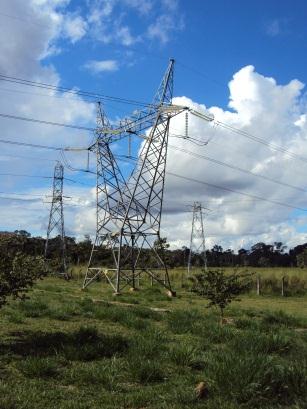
{"x":228,"y":165}
{"x":34,"y":145}
{"x":237,"y":192}
{"x":40,"y":121}
{"x":94,"y":95}
{"x":254,"y":138}
{"x":43,"y":177}
{"x":27,"y":157}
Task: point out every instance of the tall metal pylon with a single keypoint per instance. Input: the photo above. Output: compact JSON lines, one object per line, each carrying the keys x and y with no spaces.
{"x":56,"y":218}
{"x":197,"y":242}
{"x":129,"y":212}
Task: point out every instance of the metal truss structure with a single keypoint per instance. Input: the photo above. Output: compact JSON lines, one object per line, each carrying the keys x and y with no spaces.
{"x":197,"y":242}
{"x":56,"y":218}
{"x":129,"y":211}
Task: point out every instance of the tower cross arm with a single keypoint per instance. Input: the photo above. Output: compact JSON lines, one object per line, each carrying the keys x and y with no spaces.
{"x":142,"y":120}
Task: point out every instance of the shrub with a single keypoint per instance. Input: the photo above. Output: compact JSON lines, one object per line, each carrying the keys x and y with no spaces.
{"x":18,"y":274}
{"x":221,"y":289}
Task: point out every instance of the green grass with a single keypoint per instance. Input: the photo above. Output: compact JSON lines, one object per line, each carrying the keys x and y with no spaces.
{"x":74,"y":349}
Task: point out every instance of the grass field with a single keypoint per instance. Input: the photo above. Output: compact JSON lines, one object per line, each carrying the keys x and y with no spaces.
{"x":67,"y":348}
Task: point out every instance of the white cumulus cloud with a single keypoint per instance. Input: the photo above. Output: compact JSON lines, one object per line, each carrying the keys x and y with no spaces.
{"x":97,"y":67}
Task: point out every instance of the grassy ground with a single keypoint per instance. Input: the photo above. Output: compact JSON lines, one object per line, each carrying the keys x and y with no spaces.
{"x":67,"y":348}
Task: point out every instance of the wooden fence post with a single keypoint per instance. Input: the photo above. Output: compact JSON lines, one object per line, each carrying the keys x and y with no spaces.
{"x":258,"y":285}
{"x":283,"y":286}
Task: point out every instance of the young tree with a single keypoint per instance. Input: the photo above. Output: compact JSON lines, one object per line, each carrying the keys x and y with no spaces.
{"x":221,"y":289}
{"x":17,"y":275}
{"x":301,"y":259}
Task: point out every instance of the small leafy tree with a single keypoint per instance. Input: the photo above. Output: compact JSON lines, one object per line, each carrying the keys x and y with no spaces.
{"x":221,"y":289}
{"x":301,"y":259}
{"x":18,"y":274}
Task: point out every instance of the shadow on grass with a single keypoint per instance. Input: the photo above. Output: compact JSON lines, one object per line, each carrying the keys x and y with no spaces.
{"x":85,"y":344}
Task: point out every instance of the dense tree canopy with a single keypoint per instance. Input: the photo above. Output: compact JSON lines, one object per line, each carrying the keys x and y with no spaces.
{"x":259,"y":255}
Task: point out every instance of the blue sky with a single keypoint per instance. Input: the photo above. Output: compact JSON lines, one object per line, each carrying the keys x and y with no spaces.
{"x":210,"y":41}
{"x":244,"y":61}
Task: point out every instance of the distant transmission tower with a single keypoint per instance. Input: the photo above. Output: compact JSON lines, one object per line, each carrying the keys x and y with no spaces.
{"x":197,"y":242}
{"x":56,"y":218}
{"x":129,"y":212}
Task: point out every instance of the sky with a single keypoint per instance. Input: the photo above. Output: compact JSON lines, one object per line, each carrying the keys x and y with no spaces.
{"x":244,"y":62}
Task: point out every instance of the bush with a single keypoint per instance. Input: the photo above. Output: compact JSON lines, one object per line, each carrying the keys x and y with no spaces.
{"x":18,"y":274}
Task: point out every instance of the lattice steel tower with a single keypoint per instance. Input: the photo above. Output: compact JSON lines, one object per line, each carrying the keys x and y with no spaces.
{"x":56,"y":218}
{"x":129,"y":212}
{"x":197,"y":242}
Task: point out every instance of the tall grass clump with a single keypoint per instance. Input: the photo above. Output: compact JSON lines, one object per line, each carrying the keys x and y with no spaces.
{"x":185,"y":354}
{"x":34,"y":308}
{"x":145,"y":370}
{"x":280,"y":318}
{"x":273,"y":342}
{"x":38,"y":367}
{"x":256,"y":379}
{"x":183,"y":322}
{"x":106,"y":373}
{"x":84,"y":344}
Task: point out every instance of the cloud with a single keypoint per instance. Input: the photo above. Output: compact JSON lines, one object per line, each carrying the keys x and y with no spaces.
{"x":258,"y":104}
{"x":109,"y":20}
{"x":97,"y":67}
{"x":261,"y":107}
{"x":165,"y":24}
{"x":144,"y":7}
{"x":276,"y":27}
{"x":74,"y":28}
{"x":23,"y":45}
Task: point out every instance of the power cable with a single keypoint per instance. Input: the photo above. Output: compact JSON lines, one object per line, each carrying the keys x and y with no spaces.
{"x":228,"y":165}
{"x":95,"y":95}
{"x":236,"y":191}
{"x":39,"y":121}
{"x":27,"y":157}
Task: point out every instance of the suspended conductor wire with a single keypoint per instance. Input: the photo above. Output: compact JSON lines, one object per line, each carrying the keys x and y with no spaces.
{"x":236,"y":191}
{"x":94,"y":95}
{"x":40,"y":121}
{"x":246,"y":171}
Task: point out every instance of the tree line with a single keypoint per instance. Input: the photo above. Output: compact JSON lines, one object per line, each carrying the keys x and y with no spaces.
{"x":259,"y":255}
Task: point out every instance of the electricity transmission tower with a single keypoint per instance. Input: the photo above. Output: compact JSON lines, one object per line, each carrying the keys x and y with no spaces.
{"x":129,"y":211}
{"x":56,"y":218}
{"x":197,"y":242}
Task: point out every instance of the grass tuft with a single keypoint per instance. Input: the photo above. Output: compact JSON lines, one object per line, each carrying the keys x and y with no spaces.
{"x":146,"y":371}
{"x":36,"y":367}
{"x":185,"y":354}
{"x":33,"y":308}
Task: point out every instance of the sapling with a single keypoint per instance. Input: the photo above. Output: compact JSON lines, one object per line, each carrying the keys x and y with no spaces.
{"x":220,"y":288}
